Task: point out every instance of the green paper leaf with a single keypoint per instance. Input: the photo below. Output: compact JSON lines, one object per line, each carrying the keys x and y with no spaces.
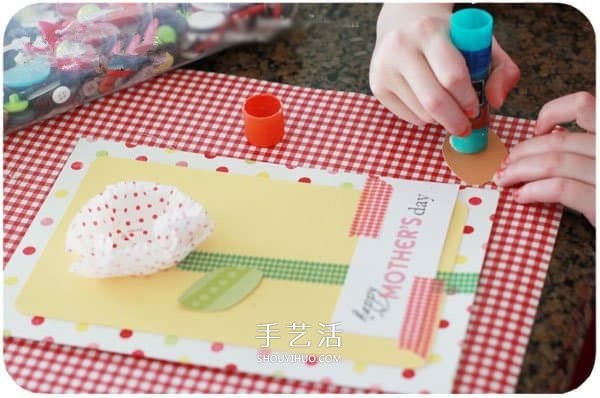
{"x":221,"y":289}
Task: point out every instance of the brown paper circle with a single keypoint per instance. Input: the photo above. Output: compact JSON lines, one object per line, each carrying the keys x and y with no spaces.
{"x":477,"y":168}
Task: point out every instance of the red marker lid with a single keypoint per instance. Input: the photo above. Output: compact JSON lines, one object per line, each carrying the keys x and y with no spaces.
{"x":263,"y":120}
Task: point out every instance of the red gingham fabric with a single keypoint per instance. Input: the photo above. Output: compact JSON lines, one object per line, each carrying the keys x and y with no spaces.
{"x":372,"y":206}
{"x":422,"y":311}
{"x":200,"y":112}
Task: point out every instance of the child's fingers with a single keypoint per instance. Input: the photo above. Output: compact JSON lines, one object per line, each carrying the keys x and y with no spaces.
{"x":388,"y":85}
{"x":396,"y":106}
{"x":558,"y":141}
{"x":505,"y":74}
{"x":432,"y":96}
{"x":574,"y":194}
{"x":450,"y":68}
{"x":394,"y":93}
{"x":404,"y":93}
{"x":579,"y":107}
{"x":542,"y":166}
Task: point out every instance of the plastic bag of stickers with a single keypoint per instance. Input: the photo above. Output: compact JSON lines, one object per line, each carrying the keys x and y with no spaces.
{"x":58,"y":56}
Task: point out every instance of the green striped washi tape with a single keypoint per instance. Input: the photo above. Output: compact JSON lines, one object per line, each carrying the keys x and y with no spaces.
{"x":291,"y":270}
{"x":306,"y":271}
{"x":459,"y":282}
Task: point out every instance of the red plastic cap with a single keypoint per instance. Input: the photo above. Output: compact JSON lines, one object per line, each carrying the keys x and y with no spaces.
{"x":263,"y":120}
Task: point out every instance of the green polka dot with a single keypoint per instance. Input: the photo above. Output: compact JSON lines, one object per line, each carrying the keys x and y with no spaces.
{"x":82,"y":327}
{"x":171,"y":340}
{"x":278,"y":374}
{"x":6,"y":333}
{"x":460,"y":259}
{"x":101,"y":153}
{"x":347,"y":185}
{"x":11,"y":280}
{"x":250,"y":161}
{"x":169,"y":150}
{"x":61,"y":193}
{"x":263,"y":174}
{"x":434,"y":358}
{"x":183,"y":359}
{"x":359,"y":367}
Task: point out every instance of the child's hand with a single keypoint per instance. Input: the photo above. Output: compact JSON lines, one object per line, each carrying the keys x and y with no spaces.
{"x":557,"y":167}
{"x":418,"y":74}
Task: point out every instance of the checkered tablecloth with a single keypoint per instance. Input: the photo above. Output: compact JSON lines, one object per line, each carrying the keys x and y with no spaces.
{"x":200,"y":112}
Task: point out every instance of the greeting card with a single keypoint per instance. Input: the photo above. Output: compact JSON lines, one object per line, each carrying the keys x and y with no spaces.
{"x":294,"y":272}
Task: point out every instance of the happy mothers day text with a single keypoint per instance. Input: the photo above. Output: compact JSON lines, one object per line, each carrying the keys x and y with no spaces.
{"x":378,"y":299}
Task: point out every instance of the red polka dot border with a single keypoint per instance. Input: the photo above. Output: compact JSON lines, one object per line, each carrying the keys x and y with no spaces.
{"x":408,"y":373}
{"x":29,"y":250}
{"x":312,"y":360}
{"x":138,"y":354}
{"x":125,"y":333}
{"x":475,"y":200}
{"x":216,"y":347}
{"x":230,"y":368}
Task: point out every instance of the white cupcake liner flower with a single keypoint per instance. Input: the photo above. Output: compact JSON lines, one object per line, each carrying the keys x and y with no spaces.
{"x":135,"y":228}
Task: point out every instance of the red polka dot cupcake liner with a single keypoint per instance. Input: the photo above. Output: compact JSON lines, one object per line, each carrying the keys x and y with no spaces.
{"x":135,"y":228}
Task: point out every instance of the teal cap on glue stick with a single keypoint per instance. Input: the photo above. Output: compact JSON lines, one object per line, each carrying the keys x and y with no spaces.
{"x":471,"y":33}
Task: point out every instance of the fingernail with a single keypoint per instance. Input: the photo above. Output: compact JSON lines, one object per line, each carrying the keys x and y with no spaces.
{"x":465,"y":132}
{"x":560,"y":129}
{"x":515,"y":194}
{"x":472,"y":112}
{"x":497,"y":176}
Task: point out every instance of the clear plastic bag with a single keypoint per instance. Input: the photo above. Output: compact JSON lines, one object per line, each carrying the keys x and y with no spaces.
{"x":59,"y":56}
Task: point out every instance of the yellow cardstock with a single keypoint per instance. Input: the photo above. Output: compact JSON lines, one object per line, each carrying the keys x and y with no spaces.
{"x":254,"y":217}
{"x":454,"y":237}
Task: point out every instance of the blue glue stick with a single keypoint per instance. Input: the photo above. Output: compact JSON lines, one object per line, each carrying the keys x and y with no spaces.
{"x":471,"y":33}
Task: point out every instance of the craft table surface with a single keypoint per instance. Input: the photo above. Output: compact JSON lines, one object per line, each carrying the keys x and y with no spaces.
{"x":554,"y":47}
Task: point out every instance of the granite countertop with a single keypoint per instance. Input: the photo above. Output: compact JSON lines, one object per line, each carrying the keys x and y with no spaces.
{"x":330,"y":46}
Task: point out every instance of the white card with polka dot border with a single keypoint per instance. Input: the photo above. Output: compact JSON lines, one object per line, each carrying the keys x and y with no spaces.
{"x":366,"y":281}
